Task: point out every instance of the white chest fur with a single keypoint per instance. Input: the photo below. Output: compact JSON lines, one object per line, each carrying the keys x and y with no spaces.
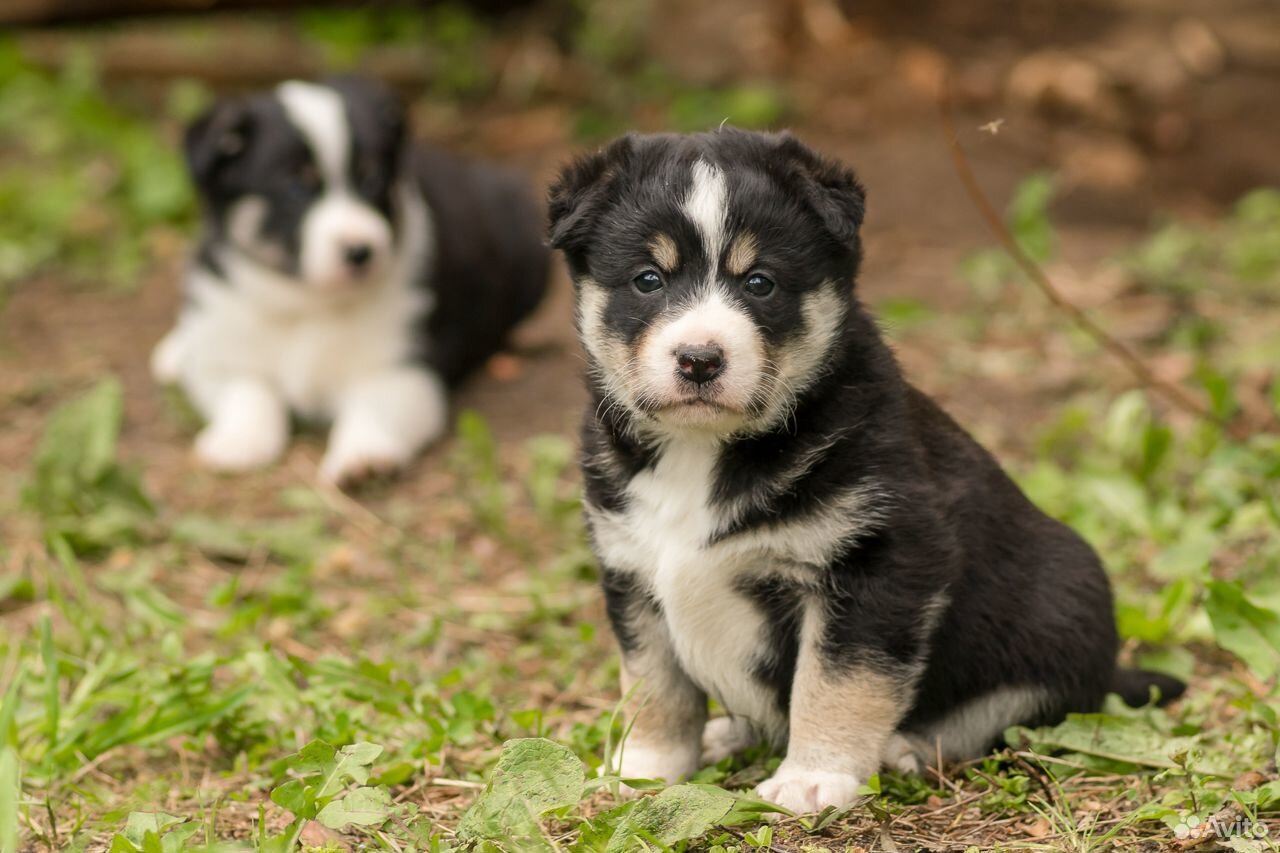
{"x":309,"y":355}
{"x":662,"y":537}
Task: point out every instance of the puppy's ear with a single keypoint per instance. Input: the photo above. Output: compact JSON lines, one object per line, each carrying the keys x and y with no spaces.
{"x":216,"y":138}
{"x":831,"y":190}
{"x":577,"y":194}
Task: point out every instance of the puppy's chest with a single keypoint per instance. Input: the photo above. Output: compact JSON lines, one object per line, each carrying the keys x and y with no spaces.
{"x":665,"y":538}
{"x":310,"y":356}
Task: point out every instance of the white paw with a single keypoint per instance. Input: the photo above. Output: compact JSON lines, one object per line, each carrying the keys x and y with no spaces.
{"x":805,"y":791}
{"x":725,"y":736}
{"x":166,"y":358}
{"x":670,"y":764}
{"x":226,"y":449}
{"x":355,"y":454}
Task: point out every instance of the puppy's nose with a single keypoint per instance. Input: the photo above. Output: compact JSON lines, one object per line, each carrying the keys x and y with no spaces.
{"x":358,"y":255}
{"x":701,"y":363}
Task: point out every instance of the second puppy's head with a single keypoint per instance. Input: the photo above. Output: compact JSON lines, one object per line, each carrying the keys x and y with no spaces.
{"x":713,"y":273}
{"x":303,"y":179}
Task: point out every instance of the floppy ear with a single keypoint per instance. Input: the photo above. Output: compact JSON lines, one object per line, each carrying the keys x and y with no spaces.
{"x":216,"y":138}
{"x":830,"y":189}
{"x":576,"y":196}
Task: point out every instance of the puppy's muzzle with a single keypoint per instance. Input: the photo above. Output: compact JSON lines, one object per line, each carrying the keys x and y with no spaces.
{"x":701,"y":363}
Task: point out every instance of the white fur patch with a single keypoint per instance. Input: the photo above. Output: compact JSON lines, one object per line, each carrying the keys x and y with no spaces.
{"x":318,"y":112}
{"x":707,"y":206}
{"x":716,"y":632}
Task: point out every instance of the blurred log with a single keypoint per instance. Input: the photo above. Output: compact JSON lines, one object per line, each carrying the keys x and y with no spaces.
{"x":37,"y":12}
{"x":226,"y":64}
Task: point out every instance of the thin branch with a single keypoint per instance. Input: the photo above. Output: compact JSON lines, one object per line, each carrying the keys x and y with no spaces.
{"x":1140,"y":370}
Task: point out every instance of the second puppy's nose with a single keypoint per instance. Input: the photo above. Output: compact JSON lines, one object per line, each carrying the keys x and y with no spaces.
{"x":358,"y":255}
{"x":701,"y":363}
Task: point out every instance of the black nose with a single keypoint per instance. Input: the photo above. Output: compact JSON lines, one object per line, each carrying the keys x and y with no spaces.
{"x":701,"y":363}
{"x":359,"y":255}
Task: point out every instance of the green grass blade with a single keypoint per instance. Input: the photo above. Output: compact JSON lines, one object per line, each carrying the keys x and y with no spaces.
{"x":10,"y":791}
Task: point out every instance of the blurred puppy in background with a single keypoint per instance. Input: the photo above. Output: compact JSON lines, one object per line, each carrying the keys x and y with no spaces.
{"x":783,"y":522}
{"x":344,"y":276}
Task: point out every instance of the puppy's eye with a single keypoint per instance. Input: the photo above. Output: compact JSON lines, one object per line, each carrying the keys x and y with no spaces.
{"x":758,"y":285}
{"x":647,"y":282}
{"x":308,"y":176}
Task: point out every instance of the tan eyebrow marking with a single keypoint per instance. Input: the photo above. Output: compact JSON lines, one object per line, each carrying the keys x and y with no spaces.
{"x":665,"y":252}
{"x":742,"y":254}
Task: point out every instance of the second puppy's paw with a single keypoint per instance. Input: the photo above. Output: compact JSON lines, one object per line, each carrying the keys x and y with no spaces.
{"x":358,"y":452}
{"x":725,"y":736}
{"x":806,"y":791}
{"x":226,"y":449}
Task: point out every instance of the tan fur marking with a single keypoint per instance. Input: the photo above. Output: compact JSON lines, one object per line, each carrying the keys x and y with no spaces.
{"x":840,"y":720}
{"x":742,"y":254}
{"x":665,"y":252}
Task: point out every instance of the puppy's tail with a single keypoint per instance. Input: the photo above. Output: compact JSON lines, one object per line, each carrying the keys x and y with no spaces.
{"x":1134,"y":686}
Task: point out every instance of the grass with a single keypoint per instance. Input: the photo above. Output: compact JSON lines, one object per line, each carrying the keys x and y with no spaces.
{"x":312,"y":671}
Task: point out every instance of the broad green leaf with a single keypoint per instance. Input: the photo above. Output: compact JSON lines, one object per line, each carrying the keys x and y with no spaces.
{"x":292,"y":795}
{"x":1123,"y":740}
{"x":677,"y":814}
{"x":141,"y":823}
{"x":351,"y":762}
{"x":362,"y":807}
{"x":1249,"y":632}
{"x":533,"y":776}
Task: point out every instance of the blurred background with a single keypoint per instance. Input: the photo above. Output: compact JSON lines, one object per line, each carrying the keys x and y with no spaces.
{"x":1131,"y":144}
{"x":1126,"y":116}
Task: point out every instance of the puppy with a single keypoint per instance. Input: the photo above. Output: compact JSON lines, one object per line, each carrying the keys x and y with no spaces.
{"x":343,"y":276}
{"x":783,"y":522}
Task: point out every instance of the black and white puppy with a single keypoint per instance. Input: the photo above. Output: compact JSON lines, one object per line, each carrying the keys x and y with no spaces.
{"x":344,"y":275}
{"x":783,"y":522}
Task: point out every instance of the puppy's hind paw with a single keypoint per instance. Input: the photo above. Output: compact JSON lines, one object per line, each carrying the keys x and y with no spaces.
{"x":902,"y":755}
{"x":805,"y":791}
{"x":725,"y":736}
{"x":670,"y":764}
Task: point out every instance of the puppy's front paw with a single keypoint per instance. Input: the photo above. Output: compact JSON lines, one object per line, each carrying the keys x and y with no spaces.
{"x":725,"y":736}
{"x":358,"y":452}
{"x":805,"y":791}
{"x":223,"y":448}
{"x":670,"y":764}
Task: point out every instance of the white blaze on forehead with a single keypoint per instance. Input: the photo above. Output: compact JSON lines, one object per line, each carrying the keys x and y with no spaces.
{"x":320,"y":115}
{"x":707,"y":206}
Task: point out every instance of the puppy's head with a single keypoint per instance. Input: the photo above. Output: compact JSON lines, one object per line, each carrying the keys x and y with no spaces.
{"x":302,"y":179}
{"x":713,"y":273}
